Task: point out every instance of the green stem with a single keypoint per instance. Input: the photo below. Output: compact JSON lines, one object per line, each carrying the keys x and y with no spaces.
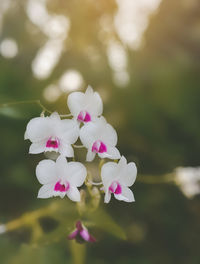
{"x":168,"y":178}
{"x":26,"y":102}
{"x":78,"y":252}
{"x":36,"y":101}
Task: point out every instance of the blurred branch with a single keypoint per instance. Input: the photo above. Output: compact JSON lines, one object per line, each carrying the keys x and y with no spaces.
{"x":30,"y":218}
{"x":26,"y":102}
{"x":150,"y":179}
{"x":31,"y":102}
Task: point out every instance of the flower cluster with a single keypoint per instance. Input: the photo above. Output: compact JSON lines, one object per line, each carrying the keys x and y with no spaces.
{"x":63,"y":178}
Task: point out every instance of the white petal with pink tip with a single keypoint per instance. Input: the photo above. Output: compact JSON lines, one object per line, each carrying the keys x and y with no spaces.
{"x":85,"y":107}
{"x":52,"y":134}
{"x":60,"y":178}
{"x":116,"y":178}
{"x":99,"y":138}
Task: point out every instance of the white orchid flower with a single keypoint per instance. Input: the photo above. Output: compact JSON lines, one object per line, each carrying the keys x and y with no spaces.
{"x":52,"y":134}
{"x":116,"y":178}
{"x":85,"y":107}
{"x":99,"y":138}
{"x":188,"y":179}
{"x":60,"y":178}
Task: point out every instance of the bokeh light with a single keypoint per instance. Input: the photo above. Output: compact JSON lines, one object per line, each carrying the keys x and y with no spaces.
{"x":8,"y":48}
{"x":47,"y":58}
{"x":51,"y":93}
{"x":131,"y":20}
{"x":71,"y":80}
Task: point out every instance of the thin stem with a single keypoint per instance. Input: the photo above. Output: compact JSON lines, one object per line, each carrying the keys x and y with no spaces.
{"x":36,"y":101}
{"x":28,"y":219}
{"x":26,"y":102}
{"x":78,"y":252}
{"x":168,"y":178}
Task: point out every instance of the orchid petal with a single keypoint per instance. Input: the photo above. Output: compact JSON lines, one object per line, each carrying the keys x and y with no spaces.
{"x":90,"y":155}
{"x":122,"y":162}
{"x":76,"y":174}
{"x":108,"y":173}
{"x":73,"y":194}
{"x":75,"y":102}
{"x":126,"y":195}
{"x":37,"y":147}
{"x":46,"y":191}
{"x":38,"y":129}
{"x":112,"y":153}
{"x":61,"y":166}
{"x":46,"y":172}
{"x":93,"y":102}
{"x":68,"y":131}
{"x":59,"y":194}
{"x":85,"y":234}
{"x":79,"y":225}
{"x":66,"y":150}
{"x":130,"y":176}
{"x":107,"y":197}
{"x":89,"y":133}
{"x":109,"y":135}
{"x":73,"y":235}
{"x":89,"y":91}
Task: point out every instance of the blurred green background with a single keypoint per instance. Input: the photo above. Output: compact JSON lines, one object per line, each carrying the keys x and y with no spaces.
{"x":143,"y":57}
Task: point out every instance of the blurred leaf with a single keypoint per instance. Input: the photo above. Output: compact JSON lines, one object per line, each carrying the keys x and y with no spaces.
{"x":104,"y":221}
{"x":54,"y":236}
{"x":28,"y":254}
{"x":41,"y":255}
{"x":11,"y":112}
{"x":65,"y":213}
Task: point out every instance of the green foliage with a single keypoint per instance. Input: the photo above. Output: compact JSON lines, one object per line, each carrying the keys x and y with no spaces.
{"x":103,"y":221}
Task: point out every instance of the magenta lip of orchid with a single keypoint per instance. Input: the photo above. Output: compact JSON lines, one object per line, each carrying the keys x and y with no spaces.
{"x":115,"y":188}
{"x":81,"y":234}
{"x":61,"y":187}
{"x":84,"y":116}
{"x":99,"y":147}
{"x":53,"y":142}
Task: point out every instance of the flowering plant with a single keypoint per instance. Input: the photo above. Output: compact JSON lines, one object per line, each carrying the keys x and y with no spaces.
{"x":62,"y":177}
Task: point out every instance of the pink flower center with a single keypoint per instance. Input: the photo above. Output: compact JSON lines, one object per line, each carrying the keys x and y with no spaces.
{"x":61,"y":187}
{"x":99,"y":147}
{"x":84,"y":116}
{"x":115,"y":187}
{"x":53,"y":142}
